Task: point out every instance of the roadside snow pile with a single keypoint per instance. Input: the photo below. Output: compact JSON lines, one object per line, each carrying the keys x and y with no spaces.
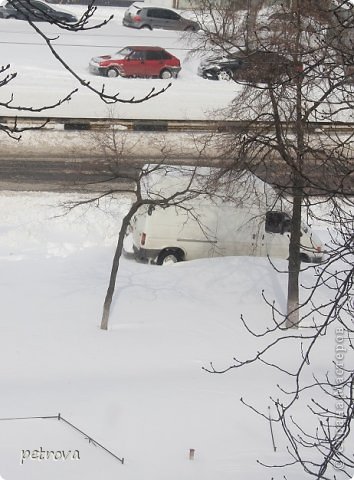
{"x":37,"y":222}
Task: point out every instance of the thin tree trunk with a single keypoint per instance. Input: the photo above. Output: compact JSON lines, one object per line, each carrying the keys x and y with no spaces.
{"x":115,"y":266}
{"x":293,"y":304}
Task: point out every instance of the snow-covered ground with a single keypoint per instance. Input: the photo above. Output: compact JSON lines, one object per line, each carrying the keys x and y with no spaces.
{"x":138,"y":388}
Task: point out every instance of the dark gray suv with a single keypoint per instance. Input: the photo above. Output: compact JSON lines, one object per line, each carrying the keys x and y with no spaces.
{"x":155,"y":17}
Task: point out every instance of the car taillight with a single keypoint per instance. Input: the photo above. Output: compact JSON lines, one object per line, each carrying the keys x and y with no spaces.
{"x":136,"y":18}
{"x":143,"y":238}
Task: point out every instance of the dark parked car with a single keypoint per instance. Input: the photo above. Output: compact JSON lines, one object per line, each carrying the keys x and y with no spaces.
{"x":36,"y":11}
{"x":253,"y":67}
{"x":137,"y":62}
{"x":137,"y":16}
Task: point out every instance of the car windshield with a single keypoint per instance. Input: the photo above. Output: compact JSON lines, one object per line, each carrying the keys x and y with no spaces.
{"x":124,"y":52}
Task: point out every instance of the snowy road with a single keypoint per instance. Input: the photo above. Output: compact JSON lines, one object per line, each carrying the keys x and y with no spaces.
{"x":42,"y":79}
{"x":59,"y":175}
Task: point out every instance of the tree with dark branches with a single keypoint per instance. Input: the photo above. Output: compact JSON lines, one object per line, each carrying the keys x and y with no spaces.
{"x":282,"y":110}
{"x":149,"y":186}
{"x":296,"y":133}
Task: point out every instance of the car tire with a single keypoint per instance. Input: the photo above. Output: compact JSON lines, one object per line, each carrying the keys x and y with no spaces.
{"x":166,"y":74}
{"x":225,"y":75}
{"x":146,"y":27}
{"x":169,"y":257}
{"x":112,"y":72}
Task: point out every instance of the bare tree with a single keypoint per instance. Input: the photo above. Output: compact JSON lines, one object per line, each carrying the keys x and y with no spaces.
{"x":313,"y":407}
{"x":294,"y":131}
{"x":147,"y":185}
{"x":149,"y":196}
{"x":291,"y":84}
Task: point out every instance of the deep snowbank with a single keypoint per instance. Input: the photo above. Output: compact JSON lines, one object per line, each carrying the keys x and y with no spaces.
{"x":139,"y":389}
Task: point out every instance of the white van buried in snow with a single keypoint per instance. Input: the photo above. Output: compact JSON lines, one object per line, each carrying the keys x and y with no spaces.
{"x":253,"y":224}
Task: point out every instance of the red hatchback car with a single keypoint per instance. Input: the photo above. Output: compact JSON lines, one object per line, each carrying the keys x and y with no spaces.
{"x":137,"y":62}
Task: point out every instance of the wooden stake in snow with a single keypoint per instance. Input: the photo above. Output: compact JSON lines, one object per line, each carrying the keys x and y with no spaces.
{"x":191,"y":453}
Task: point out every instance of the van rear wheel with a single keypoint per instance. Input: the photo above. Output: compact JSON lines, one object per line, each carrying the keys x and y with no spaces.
{"x":168,"y":257}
